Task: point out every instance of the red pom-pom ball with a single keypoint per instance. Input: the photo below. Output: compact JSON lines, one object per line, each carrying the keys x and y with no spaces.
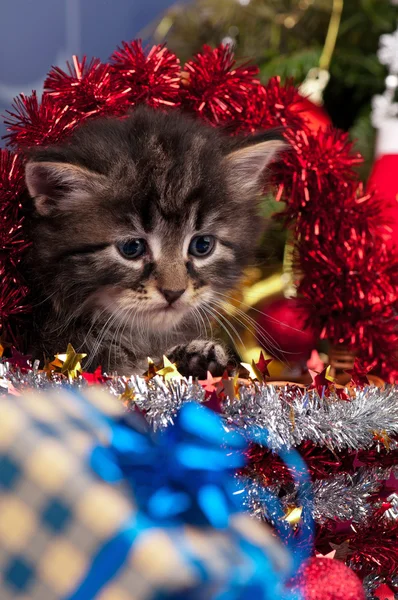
{"x":328,"y":579}
{"x":282,"y":331}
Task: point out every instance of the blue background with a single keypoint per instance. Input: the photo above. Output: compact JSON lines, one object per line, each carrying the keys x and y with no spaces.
{"x":35,"y":34}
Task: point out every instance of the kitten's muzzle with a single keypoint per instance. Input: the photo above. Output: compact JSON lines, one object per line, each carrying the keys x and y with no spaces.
{"x":171,"y":295}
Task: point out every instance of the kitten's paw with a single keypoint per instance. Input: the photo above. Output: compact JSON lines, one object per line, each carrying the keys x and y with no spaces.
{"x":198,"y":357}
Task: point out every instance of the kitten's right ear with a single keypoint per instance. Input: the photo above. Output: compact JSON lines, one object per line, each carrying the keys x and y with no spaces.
{"x":58,"y":187}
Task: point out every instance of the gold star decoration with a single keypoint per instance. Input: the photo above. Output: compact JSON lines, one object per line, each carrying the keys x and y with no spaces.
{"x":68,"y":363}
{"x":254,"y":372}
{"x":3,"y":344}
{"x":128,"y":395}
{"x":293,"y":515}
{"x":169,"y":370}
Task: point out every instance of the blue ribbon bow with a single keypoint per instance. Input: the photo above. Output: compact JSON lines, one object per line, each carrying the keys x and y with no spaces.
{"x":181,"y":475}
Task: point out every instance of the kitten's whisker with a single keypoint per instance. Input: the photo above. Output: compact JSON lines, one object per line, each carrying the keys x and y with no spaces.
{"x":259,"y":329}
{"x":229,"y":323}
{"x":122,"y":323}
{"x":104,"y":330}
{"x":221,"y":320}
{"x":231,"y":299}
{"x":270,"y":345}
{"x":201,"y":322}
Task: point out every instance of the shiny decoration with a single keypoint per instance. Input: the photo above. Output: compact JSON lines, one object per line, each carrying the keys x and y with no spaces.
{"x":282,"y":321}
{"x":86,"y":87}
{"x":216,"y":88}
{"x":179,"y":477}
{"x":169,"y":370}
{"x":342,"y":443}
{"x":13,"y":245}
{"x":68,"y":363}
{"x":32,"y":122}
{"x":326,"y":421}
{"x":328,"y":579}
{"x":315,"y":116}
{"x":151,"y":77}
{"x":342,"y":497}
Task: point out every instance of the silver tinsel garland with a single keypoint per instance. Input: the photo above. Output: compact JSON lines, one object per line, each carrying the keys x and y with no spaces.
{"x":291,"y":415}
{"x":342,"y":497}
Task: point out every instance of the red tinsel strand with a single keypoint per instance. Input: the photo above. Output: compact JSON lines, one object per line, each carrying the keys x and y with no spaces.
{"x":12,"y":183}
{"x":319,"y":165}
{"x":12,"y":240}
{"x":33,"y":123}
{"x":152,"y":78}
{"x":13,"y":302}
{"x":274,"y":106}
{"x":267,"y":468}
{"x":373,"y":548}
{"x":217,"y":89}
{"x":88,"y":88}
{"x":350,"y":290}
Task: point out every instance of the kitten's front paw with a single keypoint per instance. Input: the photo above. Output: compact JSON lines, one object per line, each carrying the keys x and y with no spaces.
{"x":198,"y":357}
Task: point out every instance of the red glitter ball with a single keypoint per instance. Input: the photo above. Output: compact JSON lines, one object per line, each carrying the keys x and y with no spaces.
{"x":33,"y":123}
{"x":328,"y":579}
{"x":86,"y":87}
{"x":217,"y":89}
{"x":152,"y":78}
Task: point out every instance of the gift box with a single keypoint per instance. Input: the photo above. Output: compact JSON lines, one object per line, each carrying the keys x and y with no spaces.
{"x":72,"y":525}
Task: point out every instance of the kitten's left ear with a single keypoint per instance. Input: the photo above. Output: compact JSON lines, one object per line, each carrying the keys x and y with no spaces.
{"x":246,"y":165}
{"x":59,"y":187}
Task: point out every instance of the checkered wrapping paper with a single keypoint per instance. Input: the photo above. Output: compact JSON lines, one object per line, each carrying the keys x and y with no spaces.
{"x":56,"y":512}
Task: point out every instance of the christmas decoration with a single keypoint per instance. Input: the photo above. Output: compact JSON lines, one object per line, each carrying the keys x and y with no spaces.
{"x":166,"y":503}
{"x":350,"y":449}
{"x":328,"y":579}
{"x":283,"y":323}
{"x":383,"y":178}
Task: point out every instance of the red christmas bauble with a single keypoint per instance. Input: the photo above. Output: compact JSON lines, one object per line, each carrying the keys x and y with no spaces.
{"x":282,"y":323}
{"x":384,"y":180}
{"x":328,"y":579}
{"x":314,"y":115}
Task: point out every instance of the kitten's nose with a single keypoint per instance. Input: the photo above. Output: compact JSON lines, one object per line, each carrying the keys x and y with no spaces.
{"x":172,"y":295}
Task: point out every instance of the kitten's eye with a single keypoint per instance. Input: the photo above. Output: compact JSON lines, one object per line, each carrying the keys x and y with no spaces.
{"x":132,"y":249}
{"x":202,"y":245}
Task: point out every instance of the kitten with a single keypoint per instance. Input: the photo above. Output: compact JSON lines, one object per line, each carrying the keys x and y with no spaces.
{"x":139,"y":227}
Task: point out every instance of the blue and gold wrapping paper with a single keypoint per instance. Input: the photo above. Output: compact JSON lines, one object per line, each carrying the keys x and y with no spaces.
{"x":56,"y":514}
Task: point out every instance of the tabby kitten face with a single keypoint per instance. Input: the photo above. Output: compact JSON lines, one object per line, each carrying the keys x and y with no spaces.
{"x":143,"y":220}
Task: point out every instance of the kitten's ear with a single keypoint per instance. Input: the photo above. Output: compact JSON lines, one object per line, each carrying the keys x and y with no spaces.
{"x":58,"y":187}
{"x":247,"y":165}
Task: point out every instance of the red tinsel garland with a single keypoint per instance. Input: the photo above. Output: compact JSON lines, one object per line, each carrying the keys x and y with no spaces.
{"x":347,"y":277}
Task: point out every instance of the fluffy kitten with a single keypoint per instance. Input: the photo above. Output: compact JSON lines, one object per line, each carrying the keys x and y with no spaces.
{"x":139,"y":226}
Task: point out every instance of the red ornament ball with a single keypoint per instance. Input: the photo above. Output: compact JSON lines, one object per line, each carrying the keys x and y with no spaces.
{"x":314,"y":116}
{"x":328,"y":579}
{"x":282,"y":331}
{"x":384,"y":180}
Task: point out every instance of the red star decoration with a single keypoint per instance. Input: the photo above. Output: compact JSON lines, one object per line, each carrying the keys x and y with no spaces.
{"x":209,"y":384}
{"x":94,"y":378}
{"x":262,"y":365}
{"x":359,"y":373}
{"x":383,"y":592}
{"x":315,"y":363}
{"x":390,"y":485}
{"x":358,"y":463}
{"x":19,"y":360}
{"x":214,"y":402}
{"x":321,"y":382}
